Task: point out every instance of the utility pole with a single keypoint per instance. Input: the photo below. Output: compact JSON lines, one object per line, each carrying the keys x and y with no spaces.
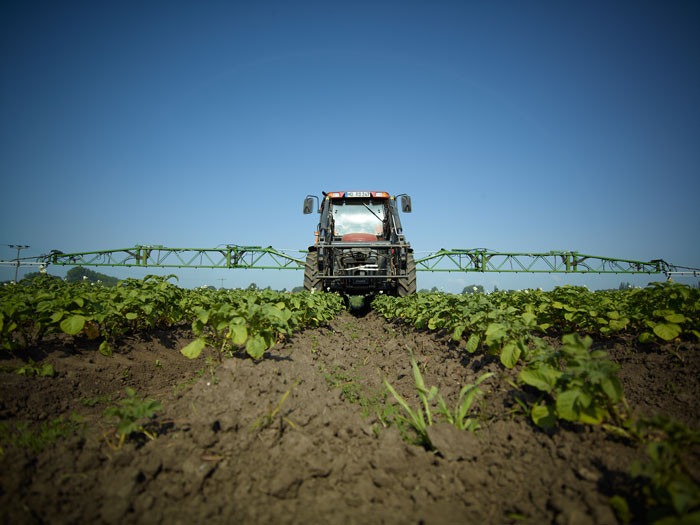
{"x":19,"y":247}
{"x":222,"y":279}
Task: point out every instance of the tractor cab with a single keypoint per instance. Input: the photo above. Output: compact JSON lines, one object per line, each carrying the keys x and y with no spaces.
{"x":359,"y":219}
{"x":358,"y":216}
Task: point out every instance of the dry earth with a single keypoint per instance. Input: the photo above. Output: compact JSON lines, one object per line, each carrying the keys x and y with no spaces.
{"x":230,"y":446}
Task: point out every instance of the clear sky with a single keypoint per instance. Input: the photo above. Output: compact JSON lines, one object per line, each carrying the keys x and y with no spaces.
{"x":514,"y":126}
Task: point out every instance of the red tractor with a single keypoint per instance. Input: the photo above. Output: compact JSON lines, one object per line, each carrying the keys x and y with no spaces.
{"x":359,"y":248}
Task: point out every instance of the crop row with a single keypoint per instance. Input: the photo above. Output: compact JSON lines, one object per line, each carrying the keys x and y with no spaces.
{"x":578,"y":382}
{"x":661,"y":312}
{"x":574,"y":381}
{"x":227,"y":320}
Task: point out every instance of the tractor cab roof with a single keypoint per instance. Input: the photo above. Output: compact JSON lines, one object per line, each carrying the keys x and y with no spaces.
{"x":358,"y":194}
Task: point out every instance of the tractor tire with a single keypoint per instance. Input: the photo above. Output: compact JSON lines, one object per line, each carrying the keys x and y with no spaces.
{"x":407,"y":285}
{"x":311,"y":280}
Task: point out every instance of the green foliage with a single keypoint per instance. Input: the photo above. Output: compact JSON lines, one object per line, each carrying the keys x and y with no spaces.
{"x":27,"y":279}
{"x":577,"y":384}
{"x":224,"y":320}
{"x":669,"y":490}
{"x":29,"y":312}
{"x":507,"y":324}
{"x":583,"y":386}
{"x":254,"y":320}
{"x":129,"y":412}
{"x":22,"y":436}
{"x":38,"y":369}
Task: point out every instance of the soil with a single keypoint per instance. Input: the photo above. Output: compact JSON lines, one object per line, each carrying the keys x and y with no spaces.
{"x":302,"y":436}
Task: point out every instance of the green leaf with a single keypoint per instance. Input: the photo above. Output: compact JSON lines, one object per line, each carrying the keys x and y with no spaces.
{"x":495,"y":333}
{"x":528,"y":318}
{"x":46,"y":370}
{"x":255,"y":346}
{"x":667,"y":331}
{"x":543,"y":378}
{"x":684,"y":494}
{"x":73,"y":324}
{"x":574,"y":343}
{"x":646,"y":337}
{"x":575,"y":405}
{"x":622,"y":510}
{"x":105,"y":349}
{"x":612,"y":388}
{"x":457,"y":333}
{"x":472,"y":343}
{"x":618,"y":324}
{"x":203,"y":315}
{"x":131,"y":316}
{"x":510,"y":355}
{"x":193,"y":349}
{"x":239,"y":333}
{"x":544,"y":416}
{"x":566,"y":404}
{"x":675,"y":318}
{"x":592,"y":415}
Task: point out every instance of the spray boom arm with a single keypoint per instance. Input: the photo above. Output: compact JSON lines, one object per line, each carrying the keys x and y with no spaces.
{"x":260,"y":258}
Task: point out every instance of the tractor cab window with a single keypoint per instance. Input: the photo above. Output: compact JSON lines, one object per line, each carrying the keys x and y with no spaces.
{"x":359,"y":216}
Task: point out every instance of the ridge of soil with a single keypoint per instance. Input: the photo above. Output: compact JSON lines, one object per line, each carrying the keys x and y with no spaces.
{"x":301,"y":435}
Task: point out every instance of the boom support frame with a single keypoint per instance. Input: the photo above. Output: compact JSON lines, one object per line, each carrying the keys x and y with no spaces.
{"x":233,"y":256}
{"x":157,"y":256}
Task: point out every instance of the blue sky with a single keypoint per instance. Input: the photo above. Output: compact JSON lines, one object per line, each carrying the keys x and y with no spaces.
{"x":514,"y":126}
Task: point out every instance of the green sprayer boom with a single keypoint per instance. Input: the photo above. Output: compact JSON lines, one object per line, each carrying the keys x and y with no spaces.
{"x":261,"y":258}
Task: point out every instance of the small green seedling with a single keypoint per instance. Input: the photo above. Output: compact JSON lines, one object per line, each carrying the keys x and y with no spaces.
{"x":92,"y":401}
{"x":458,"y":417}
{"x":266,"y":420}
{"x":22,"y":436}
{"x":36,"y":369}
{"x":129,"y":413}
{"x":421,"y":418}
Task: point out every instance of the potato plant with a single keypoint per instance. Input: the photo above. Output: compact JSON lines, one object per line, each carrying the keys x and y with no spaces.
{"x":222,"y":319}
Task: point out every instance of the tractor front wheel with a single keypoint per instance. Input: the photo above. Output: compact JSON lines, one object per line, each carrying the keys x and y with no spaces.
{"x":311,"y":280}
{"x":407,"y":284}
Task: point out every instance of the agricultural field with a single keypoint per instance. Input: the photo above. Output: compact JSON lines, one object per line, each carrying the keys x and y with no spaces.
{"x":149,"y":403}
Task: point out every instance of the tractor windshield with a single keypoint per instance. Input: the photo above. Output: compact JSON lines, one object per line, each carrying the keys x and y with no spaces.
{"x":359,"y":216}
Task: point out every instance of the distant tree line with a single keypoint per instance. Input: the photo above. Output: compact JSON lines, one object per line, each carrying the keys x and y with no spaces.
{"x":74,"y":275}
{"x":83,"y":274}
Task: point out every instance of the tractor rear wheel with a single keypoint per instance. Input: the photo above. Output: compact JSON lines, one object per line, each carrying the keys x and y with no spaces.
{"x":311,"y":280}
{"x":407,"y":285}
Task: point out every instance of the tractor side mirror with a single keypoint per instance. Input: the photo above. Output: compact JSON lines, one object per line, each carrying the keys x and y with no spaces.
{"x":406,"y":203}
{"x":308,"y":205}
